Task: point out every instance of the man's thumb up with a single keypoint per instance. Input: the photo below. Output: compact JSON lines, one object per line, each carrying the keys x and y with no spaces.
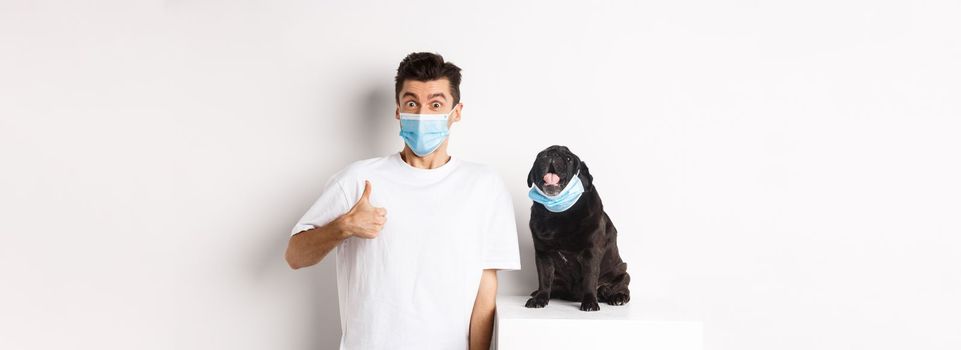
{"x":365,"y":198}
{"x":364,"y":220}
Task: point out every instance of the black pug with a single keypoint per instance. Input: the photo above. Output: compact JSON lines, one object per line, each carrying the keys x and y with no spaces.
{"x":576,"y":248}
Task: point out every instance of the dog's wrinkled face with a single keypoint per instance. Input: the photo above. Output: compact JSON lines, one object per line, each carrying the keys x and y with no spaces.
{"x":553,"y":169}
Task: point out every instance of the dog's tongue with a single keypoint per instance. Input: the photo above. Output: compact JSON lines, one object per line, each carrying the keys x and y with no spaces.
{"x":551,"y":179}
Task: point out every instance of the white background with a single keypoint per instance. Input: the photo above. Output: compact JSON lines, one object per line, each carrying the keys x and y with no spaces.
{"x":787,"y":171}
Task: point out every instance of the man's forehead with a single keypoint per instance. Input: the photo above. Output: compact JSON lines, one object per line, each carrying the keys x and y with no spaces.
{"x":425,"y":89}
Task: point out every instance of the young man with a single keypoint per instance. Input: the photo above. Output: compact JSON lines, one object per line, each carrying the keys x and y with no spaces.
{"x":419,"y":234}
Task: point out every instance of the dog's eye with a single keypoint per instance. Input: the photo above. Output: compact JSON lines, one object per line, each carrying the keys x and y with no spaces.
{"x":568,"y":159}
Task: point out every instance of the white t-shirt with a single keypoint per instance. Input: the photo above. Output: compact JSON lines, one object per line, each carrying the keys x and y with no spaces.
{"x":414,"y":285}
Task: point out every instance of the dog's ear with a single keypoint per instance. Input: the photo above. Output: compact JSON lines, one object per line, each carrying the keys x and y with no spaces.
{"x":587,"y":176}
{"x":530,"y":177}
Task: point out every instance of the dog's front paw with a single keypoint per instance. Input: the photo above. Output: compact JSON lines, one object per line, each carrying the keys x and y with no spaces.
{"x":539,"y":300}
{"x":590,"y":303}
{"x":619,"y":299}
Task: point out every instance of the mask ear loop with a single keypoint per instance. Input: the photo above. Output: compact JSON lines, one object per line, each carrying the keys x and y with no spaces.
{"x":447,"y":116}
{"x":452,"y":109}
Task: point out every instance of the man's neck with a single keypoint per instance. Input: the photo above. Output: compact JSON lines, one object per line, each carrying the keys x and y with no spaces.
{"x":434,"y":160}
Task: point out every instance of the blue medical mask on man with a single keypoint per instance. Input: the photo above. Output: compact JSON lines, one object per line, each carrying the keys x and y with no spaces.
{"x":423,"y":133}
{"x":561,"y":201}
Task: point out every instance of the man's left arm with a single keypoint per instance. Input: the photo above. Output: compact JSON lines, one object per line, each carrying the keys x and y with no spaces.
{"x":482,"y":318}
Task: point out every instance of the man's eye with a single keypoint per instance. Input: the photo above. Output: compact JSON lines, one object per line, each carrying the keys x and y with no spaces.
{"x":436,"y":105}
{"x":411,"y":104}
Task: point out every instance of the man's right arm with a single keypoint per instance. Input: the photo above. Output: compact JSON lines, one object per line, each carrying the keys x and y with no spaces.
{"x":309,"y":247}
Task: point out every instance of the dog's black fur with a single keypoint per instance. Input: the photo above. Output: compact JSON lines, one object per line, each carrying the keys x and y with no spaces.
{"x":575,"y":250}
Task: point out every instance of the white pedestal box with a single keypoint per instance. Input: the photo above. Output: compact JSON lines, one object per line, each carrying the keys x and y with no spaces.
{"x":561,"y":325}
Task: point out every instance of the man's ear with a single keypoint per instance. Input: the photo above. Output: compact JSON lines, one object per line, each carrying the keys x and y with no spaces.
{"x":397,"y":113}
{"x":458,"y":109}
{"x":586,"y":175}
{"x":530,"y":177}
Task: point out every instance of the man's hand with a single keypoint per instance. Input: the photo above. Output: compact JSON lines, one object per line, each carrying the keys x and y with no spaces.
{"x":364,"y":220}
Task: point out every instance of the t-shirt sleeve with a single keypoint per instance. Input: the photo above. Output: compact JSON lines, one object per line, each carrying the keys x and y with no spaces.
{"x":331,"y":204}
{"x":501,"y":250}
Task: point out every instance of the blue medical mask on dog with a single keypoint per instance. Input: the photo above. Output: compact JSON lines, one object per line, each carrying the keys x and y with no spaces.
{"x":423,"y":133}
{"x":561,"y":201}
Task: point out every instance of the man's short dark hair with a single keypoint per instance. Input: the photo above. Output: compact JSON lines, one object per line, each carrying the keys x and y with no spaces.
{"x":426,"y":66}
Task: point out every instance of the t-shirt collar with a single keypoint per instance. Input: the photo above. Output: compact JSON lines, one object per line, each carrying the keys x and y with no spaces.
{"x":430,"y":173}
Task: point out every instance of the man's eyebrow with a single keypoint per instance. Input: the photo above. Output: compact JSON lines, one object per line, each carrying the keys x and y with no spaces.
{"x":439,"y":94}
